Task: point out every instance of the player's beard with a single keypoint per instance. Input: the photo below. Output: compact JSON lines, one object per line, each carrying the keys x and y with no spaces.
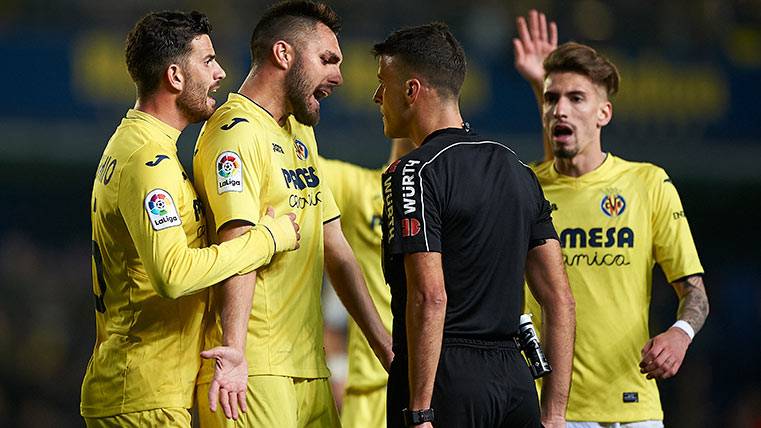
{"x":565,"y":153}
{"x":297,"y":92}
{"x":192,"y":101}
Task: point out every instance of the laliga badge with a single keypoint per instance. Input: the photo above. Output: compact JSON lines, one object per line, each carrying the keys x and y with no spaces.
{"x":229,"y":168}
{"x":161,"y":210}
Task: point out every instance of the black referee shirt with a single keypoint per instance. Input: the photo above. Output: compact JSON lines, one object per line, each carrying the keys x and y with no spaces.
{"x":477,"y":204}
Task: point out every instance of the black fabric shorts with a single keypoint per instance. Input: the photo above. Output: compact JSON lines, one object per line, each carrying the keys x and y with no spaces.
{"x":478,"y":384}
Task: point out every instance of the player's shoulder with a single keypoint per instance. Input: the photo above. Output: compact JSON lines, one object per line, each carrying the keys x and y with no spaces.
{"x":348,"y":174}
{"x":542,"y":169}
{"x":136,"y":147}
{"x":646,"y":171}
{"x":343,"y":167}
{"x":151,"y":161}
{"x":233,"y":115}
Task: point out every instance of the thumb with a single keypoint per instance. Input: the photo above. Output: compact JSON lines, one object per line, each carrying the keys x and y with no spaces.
{"x":271,"y":212}
{"x":212,"y":353}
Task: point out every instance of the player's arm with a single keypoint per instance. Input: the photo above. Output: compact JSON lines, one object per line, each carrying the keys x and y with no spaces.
{"x":548,"y":283}
{"x":174,"y":269}
{"x":228,"y":386}
{"x":426,"y":311}
{"x":349,"y":284}
{"x":536,"y":40}
{"x":675,"y":252}
{"x":663,"y":355}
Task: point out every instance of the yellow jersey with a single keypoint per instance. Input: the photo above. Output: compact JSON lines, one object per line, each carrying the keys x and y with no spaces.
{"x":244,"y":162}
{"x":357,"y":192}
{"x":147,"y":230}
{"x":614,"y":224}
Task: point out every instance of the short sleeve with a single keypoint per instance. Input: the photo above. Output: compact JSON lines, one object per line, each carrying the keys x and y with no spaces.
{"x":233,"y":170}
{"x":673,"y":246}
{"x":330,"y":209}
{"x":541,"y":227}
{"x":416,"y":208}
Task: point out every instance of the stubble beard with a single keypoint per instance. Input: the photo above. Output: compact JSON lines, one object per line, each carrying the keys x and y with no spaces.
{"x":192,"y":102}
{"x":565,"y":153}
{"x":297,"y":93}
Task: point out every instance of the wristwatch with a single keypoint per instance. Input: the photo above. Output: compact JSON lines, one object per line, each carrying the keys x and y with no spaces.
{"x":417,"y":417}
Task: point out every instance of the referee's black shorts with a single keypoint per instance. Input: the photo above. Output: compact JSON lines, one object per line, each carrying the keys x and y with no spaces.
{"x":478,"y":384}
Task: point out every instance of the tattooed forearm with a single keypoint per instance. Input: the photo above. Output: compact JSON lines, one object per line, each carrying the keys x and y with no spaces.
{"x":693,"y":301}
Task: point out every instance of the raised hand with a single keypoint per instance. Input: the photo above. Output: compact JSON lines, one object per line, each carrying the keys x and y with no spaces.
{"x":536,"y":39}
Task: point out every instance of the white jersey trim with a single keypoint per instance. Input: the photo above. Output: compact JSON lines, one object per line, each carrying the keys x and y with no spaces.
{"x":420,"y":176}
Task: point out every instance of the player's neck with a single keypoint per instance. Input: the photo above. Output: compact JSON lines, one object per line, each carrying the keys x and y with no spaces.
{"x":261,"y":86}
{"x":582,"y":163}
{"x":163,"y":108}
{"x":438,"y":116}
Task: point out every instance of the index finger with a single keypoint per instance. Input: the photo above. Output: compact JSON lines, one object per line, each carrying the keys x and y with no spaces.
{"x":523,"y":33}
{"x":213,"y":395}
{"x":554,"y":34}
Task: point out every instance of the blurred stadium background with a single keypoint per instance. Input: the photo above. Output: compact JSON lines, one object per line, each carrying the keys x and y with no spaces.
{"x":689,"y":102}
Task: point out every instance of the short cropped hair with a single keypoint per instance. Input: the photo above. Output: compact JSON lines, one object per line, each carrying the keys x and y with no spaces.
{"x":289,"y":21}
{"x":577,"y":58}
{"x":158,"y":40}
{"x":430,"y":51}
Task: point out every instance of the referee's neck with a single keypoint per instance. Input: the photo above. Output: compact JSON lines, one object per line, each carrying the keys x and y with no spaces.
{"x":437,"y":114}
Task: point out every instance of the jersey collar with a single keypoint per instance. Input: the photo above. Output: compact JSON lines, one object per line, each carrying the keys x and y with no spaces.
{"x":448,"y":131}
{"x":171,"y":133}
{"x":601,"y":171}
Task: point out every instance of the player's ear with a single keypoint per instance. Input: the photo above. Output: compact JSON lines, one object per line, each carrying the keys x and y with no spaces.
{"x":175,"y":78}
{"x":412,"y":88}
{"x":282,"y":54}
{"x":604,"y":114}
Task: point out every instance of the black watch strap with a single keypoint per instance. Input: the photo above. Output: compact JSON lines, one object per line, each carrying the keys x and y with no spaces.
{"x":417,"y":417}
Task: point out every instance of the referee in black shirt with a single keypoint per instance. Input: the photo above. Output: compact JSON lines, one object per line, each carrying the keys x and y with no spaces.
{"x":464,"y":220}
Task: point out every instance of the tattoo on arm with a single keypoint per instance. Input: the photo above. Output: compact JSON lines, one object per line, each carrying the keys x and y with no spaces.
{"x":693,"y":301}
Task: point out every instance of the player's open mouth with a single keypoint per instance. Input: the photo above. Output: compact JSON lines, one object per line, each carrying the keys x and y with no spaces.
{"x":562,"y":131}
{"x":322,"y":92}
{"x":210,"y":95}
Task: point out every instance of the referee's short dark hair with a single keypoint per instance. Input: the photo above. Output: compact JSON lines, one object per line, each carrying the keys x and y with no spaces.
{"x":158,"y":40}
{"x":577,"y":58}
{"x":289,"y":21}
{"x":432,"y":52}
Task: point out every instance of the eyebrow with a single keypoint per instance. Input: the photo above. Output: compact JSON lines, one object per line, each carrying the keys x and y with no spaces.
{"x":331,"y":57}
{"x":569,"y":93}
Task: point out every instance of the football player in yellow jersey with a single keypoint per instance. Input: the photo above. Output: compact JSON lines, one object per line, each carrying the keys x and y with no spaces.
{"x":147,"y":232}
{"x":259,"y":149}
{"x":357,"y":192}
{"x":616,"y":219}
